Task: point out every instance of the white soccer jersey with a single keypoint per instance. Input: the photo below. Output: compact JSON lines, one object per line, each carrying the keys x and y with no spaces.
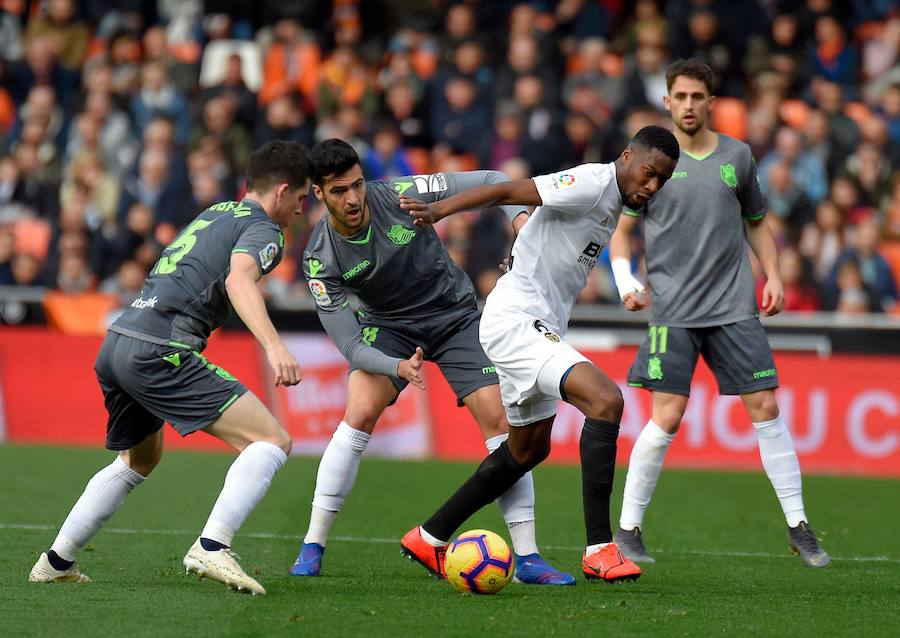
{"x":558,"y":247}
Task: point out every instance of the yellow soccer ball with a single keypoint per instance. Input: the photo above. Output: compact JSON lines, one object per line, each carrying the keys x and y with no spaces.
{"x":479,"y":561}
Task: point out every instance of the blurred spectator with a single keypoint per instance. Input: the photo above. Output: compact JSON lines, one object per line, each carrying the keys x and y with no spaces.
{"x":874,"y":271}
{"x":232,"y":87}
{"x":26,"y":270}
{"x":283,"y":120}
{"x":799,"y":290}
{"x":11,"y":40}
{"x":102,"y":127}
{"x":387,"y":158}
{"x":891,"y":227}
{"x":401,"y":106}
{"x":807,"y":170}
{"x":871,"y":174}
{"x":7,"y":253}
{"x":158,"y":98}
{"x":58,"y":21}
{"x":781,"y":51}
{"x":823,"y":240}
{"x":785,"y":200}
{"x":218,"y":121}
{"x":292,"y":64}
{"x":154,"y":186}
{"x":461,"y":116}
{"x":345,"y":81}
{"x":833,"y":57}
{"x":646,"y":79}
{"x":34,"y":190}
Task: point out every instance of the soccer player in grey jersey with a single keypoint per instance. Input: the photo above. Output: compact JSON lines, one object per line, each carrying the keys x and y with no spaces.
{"x":703,"y":302}
{"x":415,"y":304}
{"x":151,"y":369}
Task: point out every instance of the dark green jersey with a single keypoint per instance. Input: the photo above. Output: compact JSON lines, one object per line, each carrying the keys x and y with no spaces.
{"x":184,"y":299}
{"x":697,"y":259}
{"x":398,"y":271}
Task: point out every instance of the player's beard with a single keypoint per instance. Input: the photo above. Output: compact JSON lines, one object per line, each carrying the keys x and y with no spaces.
{"x":693,"y":128}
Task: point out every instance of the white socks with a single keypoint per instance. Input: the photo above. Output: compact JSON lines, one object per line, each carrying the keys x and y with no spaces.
{"x":517,"y":507}
{"x":335,"y":479}
{"x":643,"y":471}
{"x":776,"y":449}
{"x":102,"y":497}
{"x":246,"y":483}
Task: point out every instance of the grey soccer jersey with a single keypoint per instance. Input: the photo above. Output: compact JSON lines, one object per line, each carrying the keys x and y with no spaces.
{"x":401,"y":273}
{"x":184,"y":299}
{"x":695,"y":239}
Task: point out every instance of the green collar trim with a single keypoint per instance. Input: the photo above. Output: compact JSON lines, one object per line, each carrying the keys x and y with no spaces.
{"x":364,"y":240}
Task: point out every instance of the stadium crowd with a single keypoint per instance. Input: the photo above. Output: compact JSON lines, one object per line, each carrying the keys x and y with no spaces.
{"x":121,"y":119}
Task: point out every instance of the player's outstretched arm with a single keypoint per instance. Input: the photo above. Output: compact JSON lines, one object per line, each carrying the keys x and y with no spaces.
{"x":250,"y":307}
{"x":522,"y":192}
{"x":631,"y":291}
{"x":344,"y":330}
{"x":763,"y":244}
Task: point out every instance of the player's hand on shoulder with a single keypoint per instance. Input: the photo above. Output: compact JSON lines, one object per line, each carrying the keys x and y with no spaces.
{"x":287,"y":370}
{"x":773,"y":297}
{"x":635,"y":301}
{"x":411,"y":369}
{"x":423,"y":214}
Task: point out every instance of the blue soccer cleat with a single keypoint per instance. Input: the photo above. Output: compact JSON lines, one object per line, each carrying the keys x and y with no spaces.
{"x":309,"y":560}
{"x":534,"y":570}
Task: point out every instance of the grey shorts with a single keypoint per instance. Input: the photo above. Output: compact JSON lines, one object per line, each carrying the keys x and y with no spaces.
{"x":452,"y":344}
{"x":738,"y":355}
{"x":145,"y":384}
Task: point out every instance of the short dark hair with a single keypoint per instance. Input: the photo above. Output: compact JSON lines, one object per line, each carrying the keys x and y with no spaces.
{"x":332,"y":157}
{"x":278,"y":162}
{"x":657,"y":137}
{"x":692,"y":68}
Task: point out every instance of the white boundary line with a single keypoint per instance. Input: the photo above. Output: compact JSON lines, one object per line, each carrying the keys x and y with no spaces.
{"x":363,"y":539}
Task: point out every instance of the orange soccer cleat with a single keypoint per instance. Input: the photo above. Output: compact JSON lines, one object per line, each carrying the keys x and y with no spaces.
{"x":608,"y":564}
{"x":416,"y":548}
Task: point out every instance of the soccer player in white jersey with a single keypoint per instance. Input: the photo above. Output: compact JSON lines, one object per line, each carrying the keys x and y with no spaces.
{"x":703,"y":302}
{"x":522,"y":330}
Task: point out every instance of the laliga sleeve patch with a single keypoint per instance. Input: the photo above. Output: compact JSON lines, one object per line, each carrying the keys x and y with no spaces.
{"x":267,"y":255}
{"x":565,"y":180}
{"x":317,"y":288}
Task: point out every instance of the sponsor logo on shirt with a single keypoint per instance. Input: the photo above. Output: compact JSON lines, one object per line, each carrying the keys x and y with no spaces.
{"x":679,"y":175}
{"x":654,"y":369}
{"x":588,"y":256}
{"x":267,"y":255}
{"x":541,"y":327}
{"x":436,"y":183}
{"x":358,"y":268}
{"x":317,"y":288}
{"x":140,"y":302}
{"x":400,"y":235}
{"x":729,"y":175}
{"x":314,"y":267}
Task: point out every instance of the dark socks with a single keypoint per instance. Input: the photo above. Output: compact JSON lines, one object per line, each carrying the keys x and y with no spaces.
{"x":210,"y":545}
{"x":58,"y":563}
{"x":496,"y":474}
{"x":598,"y":466}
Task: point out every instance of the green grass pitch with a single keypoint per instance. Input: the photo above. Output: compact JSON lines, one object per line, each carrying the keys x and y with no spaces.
{"x":723,"y":566}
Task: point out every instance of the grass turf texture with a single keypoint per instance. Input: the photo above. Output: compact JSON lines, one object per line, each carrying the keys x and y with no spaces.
{"x":719,"y":538}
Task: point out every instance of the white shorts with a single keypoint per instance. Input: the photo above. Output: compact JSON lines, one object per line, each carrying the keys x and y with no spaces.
{"x":530,"y":359}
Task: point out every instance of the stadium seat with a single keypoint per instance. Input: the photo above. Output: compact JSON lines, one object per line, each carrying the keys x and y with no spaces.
{"x":795,"y":113}
{"x":215,"y":55}
{"x":79,"y":314}
{"x":730,"y":117}
{"x":419,"y":160}
{"x":32,"y":236}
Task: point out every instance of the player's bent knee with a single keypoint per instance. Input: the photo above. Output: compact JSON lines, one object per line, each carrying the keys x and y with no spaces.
{"x":607,"y":404}
{"x":142,"y":466}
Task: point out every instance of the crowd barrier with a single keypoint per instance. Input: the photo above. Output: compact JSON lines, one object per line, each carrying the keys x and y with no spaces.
{"x":843,"y":410}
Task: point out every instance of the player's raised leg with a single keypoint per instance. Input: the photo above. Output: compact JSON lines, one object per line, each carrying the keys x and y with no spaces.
{"x":367,"y":397}
{"x":102,"y":497}
{"x":644,"y":467}
{"x":587,"y":388}
{"x":517,"y":503}
{"x":779,"y":459}
{"x":263,"y":444}
{"x":525,"y":448}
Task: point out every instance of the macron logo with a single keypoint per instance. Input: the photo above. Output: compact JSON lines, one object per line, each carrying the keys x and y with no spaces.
{"x":140,"y":302}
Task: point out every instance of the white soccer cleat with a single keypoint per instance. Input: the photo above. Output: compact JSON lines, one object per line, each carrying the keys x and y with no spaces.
{"x":221,"y":565}
{"x":44,"y":572}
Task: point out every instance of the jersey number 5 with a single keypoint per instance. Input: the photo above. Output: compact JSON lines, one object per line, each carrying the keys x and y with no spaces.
{"x":180,"y":247}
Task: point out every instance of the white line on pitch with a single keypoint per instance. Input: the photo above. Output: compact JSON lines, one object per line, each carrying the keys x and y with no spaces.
{"x":362,"y":539}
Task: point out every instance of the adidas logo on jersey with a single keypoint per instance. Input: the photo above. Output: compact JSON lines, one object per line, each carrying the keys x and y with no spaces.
{"x":140,"y":302}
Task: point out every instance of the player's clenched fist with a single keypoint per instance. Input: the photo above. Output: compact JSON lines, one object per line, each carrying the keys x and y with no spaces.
{"x":287,"y":370}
